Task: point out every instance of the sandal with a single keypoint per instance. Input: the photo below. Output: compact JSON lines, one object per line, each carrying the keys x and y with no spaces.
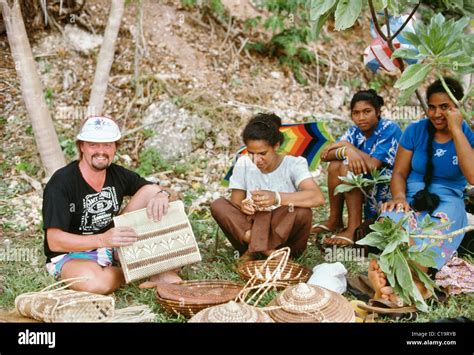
{"x":390,"y":309}
{"x":349,"y":241}
{"x":325,"y":229}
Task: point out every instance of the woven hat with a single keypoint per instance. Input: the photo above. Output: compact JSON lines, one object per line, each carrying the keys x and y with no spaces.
{"x":231,"y":312}
{"x":308,"y":303}
{"x":99,"y":129}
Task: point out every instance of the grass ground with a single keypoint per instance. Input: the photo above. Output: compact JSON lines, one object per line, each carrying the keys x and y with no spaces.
{"x":17,"y":277}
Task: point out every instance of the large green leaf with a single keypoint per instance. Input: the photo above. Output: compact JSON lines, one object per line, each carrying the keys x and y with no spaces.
{"x":373,"y":239}
{"x":343,"y":188}
{"x":413,"y":76}
{"x":320,"y":7}
{"x":423,"y":258}
{"x":347,"y":12}
{"x":317,"y":25}
{"x":405,"y":53}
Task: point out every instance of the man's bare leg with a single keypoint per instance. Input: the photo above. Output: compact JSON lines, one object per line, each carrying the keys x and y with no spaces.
{"x":101,"y":280}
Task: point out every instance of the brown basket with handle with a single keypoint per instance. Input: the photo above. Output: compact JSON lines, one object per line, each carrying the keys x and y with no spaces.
{"x":291,"y":274}
{"x":190,"y":297}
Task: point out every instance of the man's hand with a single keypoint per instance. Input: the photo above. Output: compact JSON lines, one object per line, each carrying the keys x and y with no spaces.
{"x":118,"y":237}
{"x":356,"y":163}
{"x":157,"y":207}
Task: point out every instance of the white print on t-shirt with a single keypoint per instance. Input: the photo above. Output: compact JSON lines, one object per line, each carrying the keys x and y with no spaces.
{"x":440,"y":152}
{"x":455,"y":160}
{"x":98,"y":210}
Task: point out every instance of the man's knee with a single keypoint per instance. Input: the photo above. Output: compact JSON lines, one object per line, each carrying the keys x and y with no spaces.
{"x":101,"y":282}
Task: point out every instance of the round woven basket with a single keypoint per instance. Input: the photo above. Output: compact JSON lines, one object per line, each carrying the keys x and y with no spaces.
{"x":196,"y":295}
{"x":292,"y":274}
{"x":304,"y":303}
{"x":231,"y":312}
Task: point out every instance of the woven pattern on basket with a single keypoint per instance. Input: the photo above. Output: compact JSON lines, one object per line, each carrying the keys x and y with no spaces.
{"x":291,"y":274}
{"x":161,"y":246}
{"x":231,"y":312}
{"x":52,"y":306}
{"x":190,"y":297}
{"x":308,"y":303}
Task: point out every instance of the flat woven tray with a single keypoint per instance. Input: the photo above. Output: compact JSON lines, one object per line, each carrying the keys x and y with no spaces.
{"x":161,"y":246}
{"x":189,"y":297}
{"x":292,"y":274}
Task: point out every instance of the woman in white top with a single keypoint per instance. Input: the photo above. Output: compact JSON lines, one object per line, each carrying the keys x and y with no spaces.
{"x":272,"y":194}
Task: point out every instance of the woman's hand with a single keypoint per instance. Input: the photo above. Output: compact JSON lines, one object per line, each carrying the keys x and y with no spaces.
{"x":333,"y":146}
{"x":246,"y":206}
{"x":356,"y":162}
{"x":263,"y":198}
{"x":454,"y":118}
{"x":400,"y":204}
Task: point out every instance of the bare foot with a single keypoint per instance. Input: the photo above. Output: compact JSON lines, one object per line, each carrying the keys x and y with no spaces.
{"x":379,"y":283}
{"x":329,"y":227}
{"x":346,"y":233}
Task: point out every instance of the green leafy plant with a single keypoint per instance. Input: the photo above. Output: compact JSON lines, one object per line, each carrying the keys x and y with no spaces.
{"x":365,"y":185}
{"x":441,"y":45}
{"x":399,"y":261}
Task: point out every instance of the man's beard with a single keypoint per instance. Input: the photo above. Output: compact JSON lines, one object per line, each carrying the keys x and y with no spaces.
{"x":102,"y":165}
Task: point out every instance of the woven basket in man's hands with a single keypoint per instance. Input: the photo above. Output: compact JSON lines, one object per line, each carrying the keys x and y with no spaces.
{"x":292,"y":274}
{"x":190,"y":297}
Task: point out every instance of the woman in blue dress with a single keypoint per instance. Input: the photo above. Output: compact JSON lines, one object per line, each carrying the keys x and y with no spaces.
{"x":371,"y":143}
{"x":433,"y":163}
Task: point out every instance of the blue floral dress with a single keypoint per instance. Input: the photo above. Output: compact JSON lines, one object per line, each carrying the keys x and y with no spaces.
{"x":382,"y":145}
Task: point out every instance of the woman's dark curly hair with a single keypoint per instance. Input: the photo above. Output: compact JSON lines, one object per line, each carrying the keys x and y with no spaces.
{"x":264,"y":126}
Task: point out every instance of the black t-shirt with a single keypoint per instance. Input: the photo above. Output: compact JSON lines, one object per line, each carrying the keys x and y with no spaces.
{"x":72,"y":205}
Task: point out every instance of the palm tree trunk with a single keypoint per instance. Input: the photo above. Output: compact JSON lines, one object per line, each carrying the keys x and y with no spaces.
{"x":46,"y":139}
{"x":106,"y":58}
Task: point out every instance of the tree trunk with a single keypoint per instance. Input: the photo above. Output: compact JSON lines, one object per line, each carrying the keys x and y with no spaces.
{"x":46,"y":139}
{"x":106,"y":58}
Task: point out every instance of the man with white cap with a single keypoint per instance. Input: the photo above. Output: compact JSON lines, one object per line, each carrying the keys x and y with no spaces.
{"x":80,"y":201}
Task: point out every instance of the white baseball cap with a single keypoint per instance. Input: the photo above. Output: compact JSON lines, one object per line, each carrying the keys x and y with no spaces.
{"x":99,"y":129}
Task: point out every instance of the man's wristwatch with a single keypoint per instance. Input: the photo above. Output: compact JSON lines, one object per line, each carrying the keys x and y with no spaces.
{"x":164,"y":192}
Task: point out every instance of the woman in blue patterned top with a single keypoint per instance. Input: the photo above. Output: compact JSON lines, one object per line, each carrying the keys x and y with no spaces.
{"x":433,"y":164}
{"x":369,"y":144}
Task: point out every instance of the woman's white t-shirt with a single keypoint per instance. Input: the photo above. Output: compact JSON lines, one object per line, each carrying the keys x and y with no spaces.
{"x":286,"y":178}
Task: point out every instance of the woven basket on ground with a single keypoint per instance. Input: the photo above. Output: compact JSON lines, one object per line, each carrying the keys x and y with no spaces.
{"x":292,"y":273}
{"x":52,"y":305}
{"x":190,"y":297}
{"x":231,"y":312}
{"x":308,"y":303}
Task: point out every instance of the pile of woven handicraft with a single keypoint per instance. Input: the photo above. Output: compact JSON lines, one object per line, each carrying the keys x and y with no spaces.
{"x":52,"y":305}
{"x":298,"y":302}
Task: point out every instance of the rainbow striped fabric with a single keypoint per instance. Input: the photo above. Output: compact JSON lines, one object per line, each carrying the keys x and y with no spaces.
{"x":303,"y":139}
